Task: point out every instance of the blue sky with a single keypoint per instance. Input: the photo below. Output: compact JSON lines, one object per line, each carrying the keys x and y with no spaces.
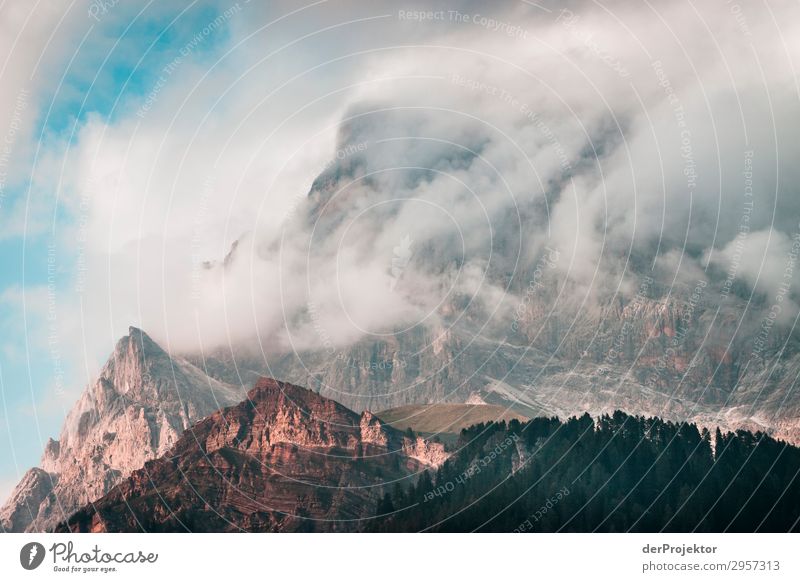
{"x":93,"y":68}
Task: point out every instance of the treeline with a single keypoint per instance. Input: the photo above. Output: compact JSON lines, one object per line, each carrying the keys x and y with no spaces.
{"x":619,"y":473}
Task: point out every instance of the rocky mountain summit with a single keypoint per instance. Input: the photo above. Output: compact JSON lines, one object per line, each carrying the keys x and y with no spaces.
{"x":518,"y":332}
{"x":284,"y":459}
{"x":510,"y":320}
{"x":136,"y":410}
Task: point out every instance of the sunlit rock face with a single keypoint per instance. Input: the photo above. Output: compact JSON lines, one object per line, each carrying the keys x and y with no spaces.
{"x":136,"y":410}
{"x":284,"y":459}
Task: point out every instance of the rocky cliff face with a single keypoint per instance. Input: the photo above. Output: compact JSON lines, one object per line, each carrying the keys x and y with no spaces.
{"x":676,"y":357}
{"x":136,"y":410}
{"x":284,"y":459}
{"x":654,"y":357}
{"x":22,"y":506}
{"x":687,"y":356}
{"x":649,"y":334}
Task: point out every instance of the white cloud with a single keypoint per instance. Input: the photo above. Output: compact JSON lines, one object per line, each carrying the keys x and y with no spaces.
{"x":504,"y":122}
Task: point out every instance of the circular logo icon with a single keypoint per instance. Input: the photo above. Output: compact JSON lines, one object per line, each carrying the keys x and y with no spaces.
{"x":31,"y":555}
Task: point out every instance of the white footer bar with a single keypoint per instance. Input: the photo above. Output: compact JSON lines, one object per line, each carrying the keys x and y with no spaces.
{"x":350,"y":557}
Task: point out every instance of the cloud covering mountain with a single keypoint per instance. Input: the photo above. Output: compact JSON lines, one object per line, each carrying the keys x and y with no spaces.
{"x":375,"y":166}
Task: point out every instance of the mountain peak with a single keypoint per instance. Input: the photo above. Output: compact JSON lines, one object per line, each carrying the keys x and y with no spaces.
{"x":139,"y":341}
{"x":133,"y":330}
{"x":279,"y":412}
{"x":272,"y":390}
{"x":136,"y":410}
{"x":266,"y":387}
{"x":269,"y":463}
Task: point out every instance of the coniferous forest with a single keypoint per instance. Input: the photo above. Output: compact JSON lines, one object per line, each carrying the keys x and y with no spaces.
{"x":618,"y":473}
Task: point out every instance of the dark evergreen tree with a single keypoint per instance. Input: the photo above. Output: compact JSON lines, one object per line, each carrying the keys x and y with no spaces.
{"x":615,"y":473}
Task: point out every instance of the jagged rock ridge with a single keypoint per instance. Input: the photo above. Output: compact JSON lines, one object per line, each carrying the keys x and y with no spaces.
{"x":284,"y":459}
{"x":136,"y":410}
